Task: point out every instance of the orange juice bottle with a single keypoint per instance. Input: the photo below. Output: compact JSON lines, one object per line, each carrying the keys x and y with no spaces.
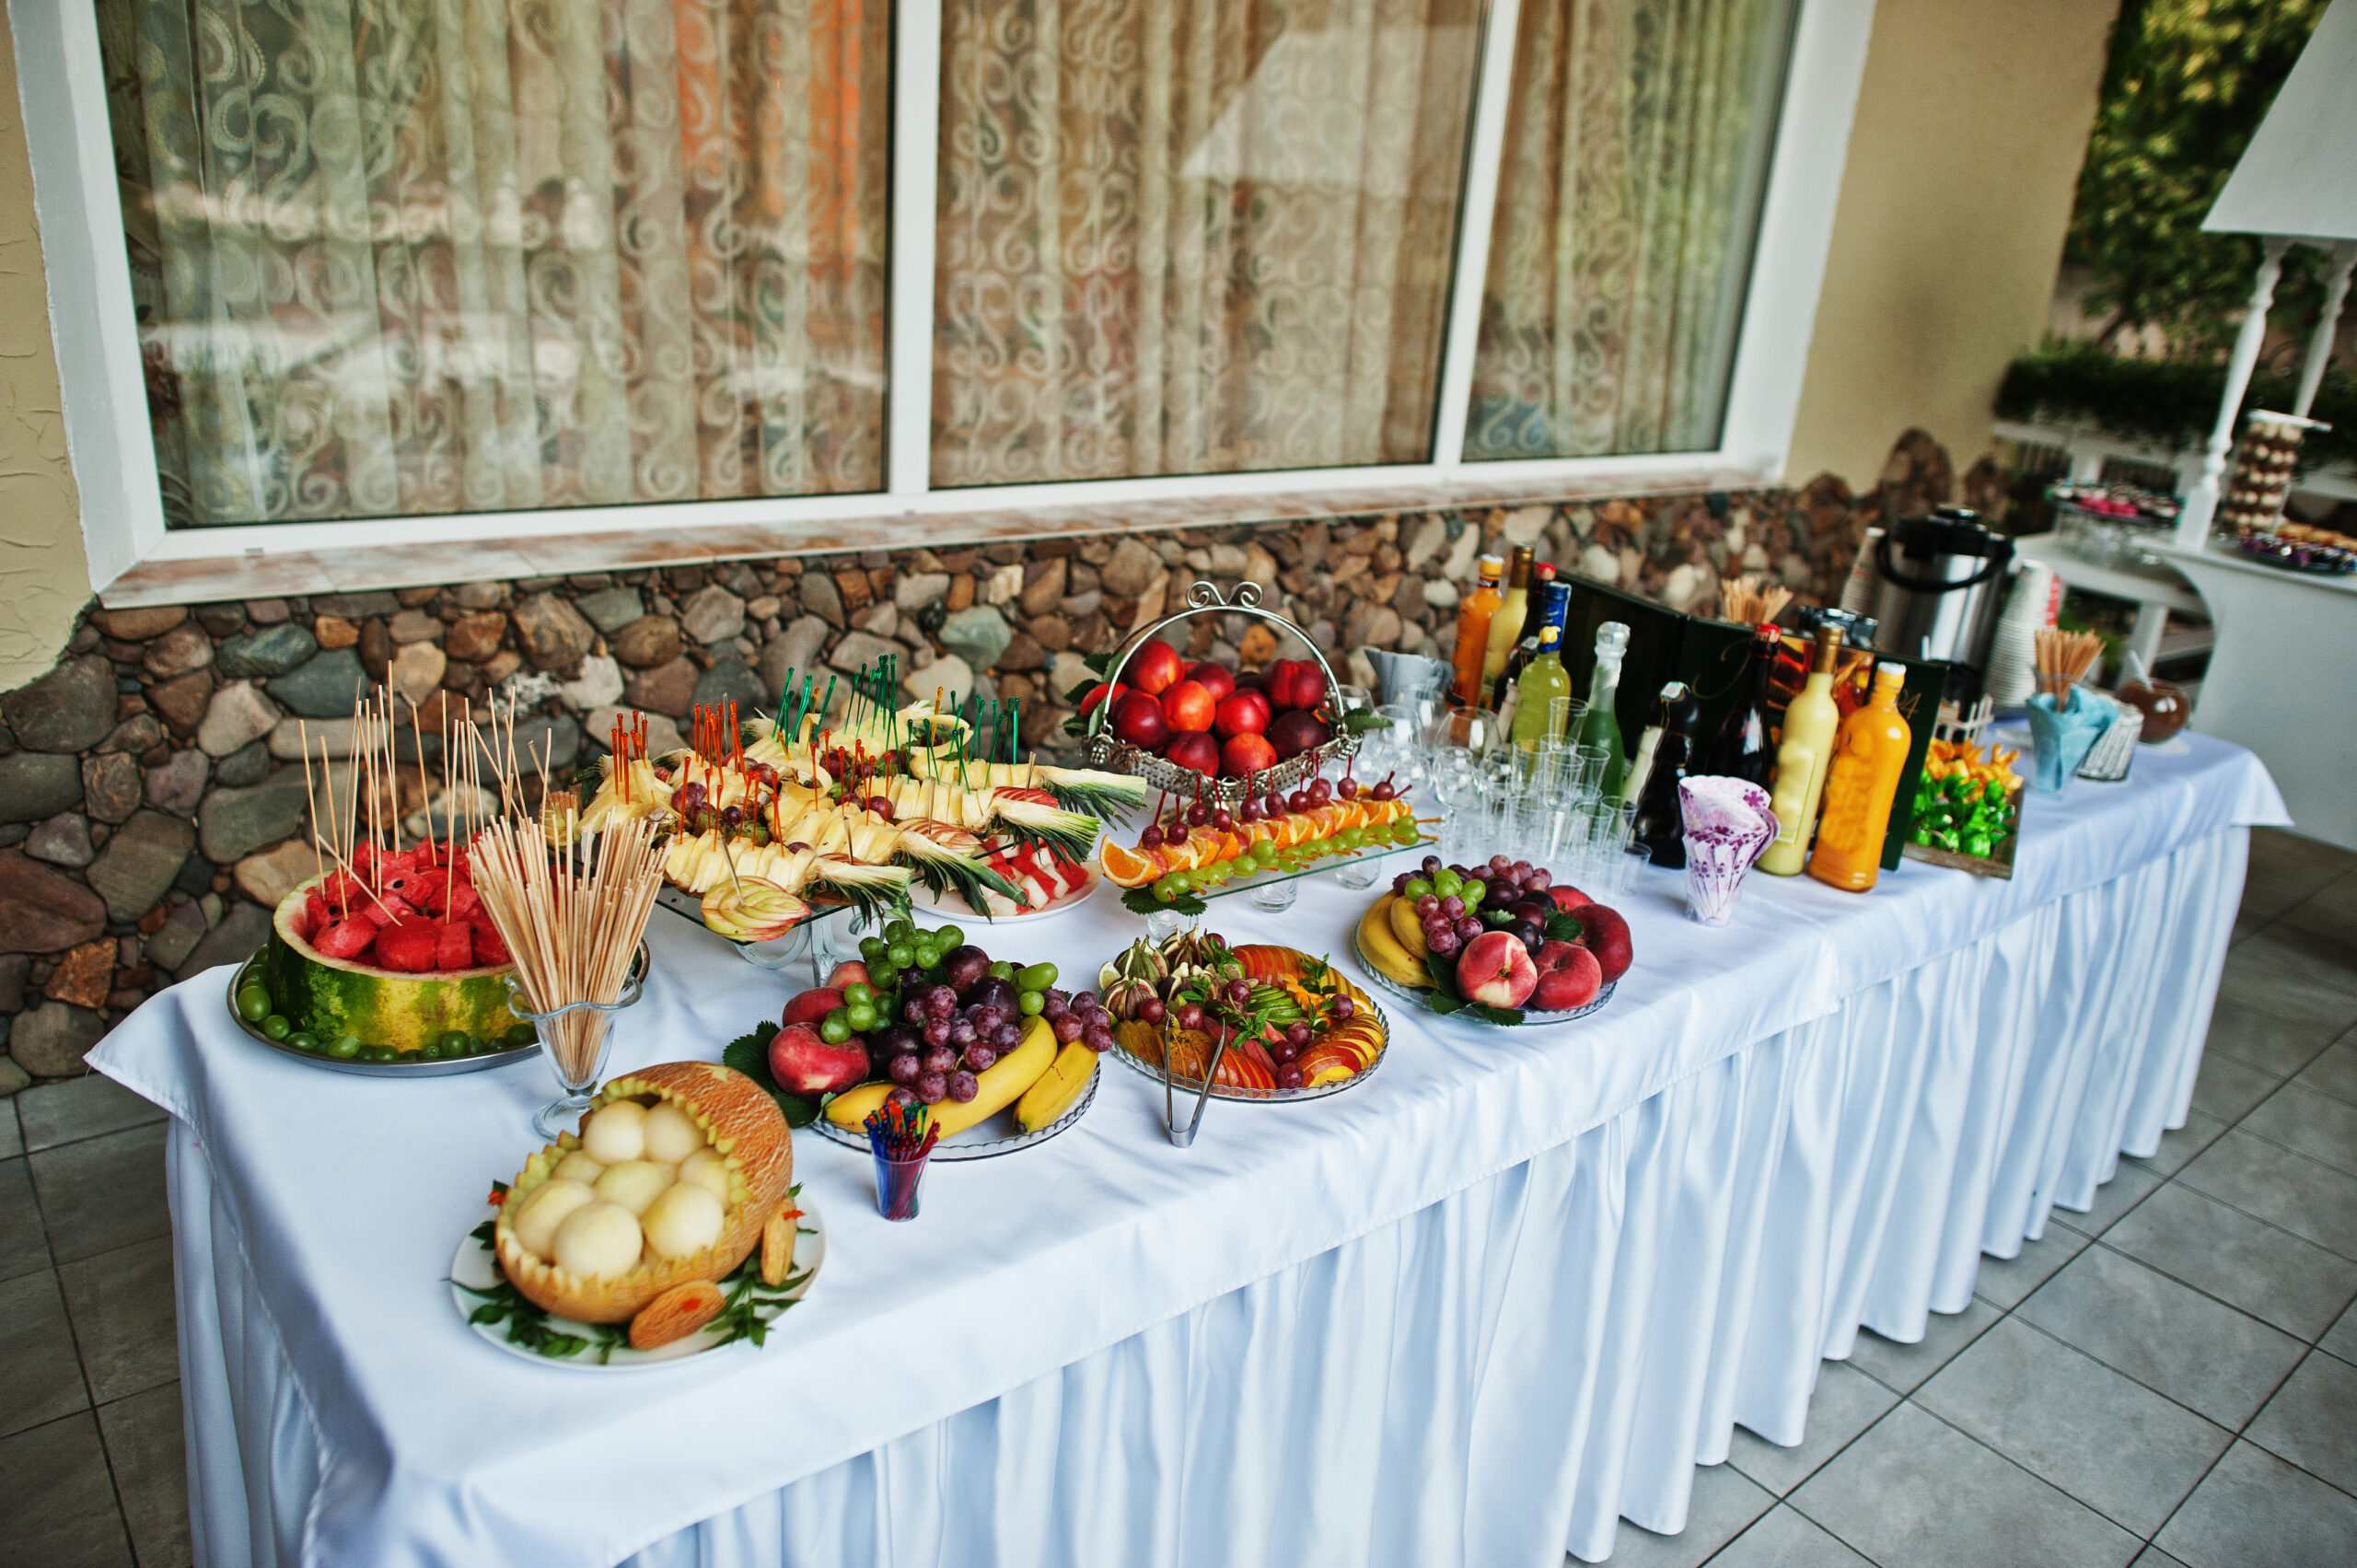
{"x":1858,"y":787}
{"x":1473,"y":631}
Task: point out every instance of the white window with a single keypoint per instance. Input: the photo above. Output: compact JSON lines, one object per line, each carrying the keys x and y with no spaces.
{"x":329,"y":274}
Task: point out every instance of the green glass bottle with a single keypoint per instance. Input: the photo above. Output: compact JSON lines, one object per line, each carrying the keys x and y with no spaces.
{"x":1598,"y":725}
{"x":1542,"y":678}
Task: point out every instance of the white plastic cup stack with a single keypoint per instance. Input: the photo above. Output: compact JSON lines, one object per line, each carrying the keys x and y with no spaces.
{"x":2012,"y":648}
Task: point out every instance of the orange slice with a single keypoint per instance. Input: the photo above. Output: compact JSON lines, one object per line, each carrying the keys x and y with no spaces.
{"x":1127,"y":867}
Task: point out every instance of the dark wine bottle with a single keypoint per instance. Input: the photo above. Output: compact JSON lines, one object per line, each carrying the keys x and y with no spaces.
{"x":1659,"y":822}
{"x":1742,"y":749}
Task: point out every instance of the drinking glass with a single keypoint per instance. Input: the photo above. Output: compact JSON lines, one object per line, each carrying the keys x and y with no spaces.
{"x":1359,"y":874}
{"x":575,"y":1037}
{"x":1620,"y":869}
{"x":1475,"y":731}
{"x":896,"y":1185}
{"x":1590,"y":761}
{"x":1275,"y":898}
{"x":1564,"y":716}
{"x":1352,"y":699}
{"x":1411,"y":720}
{"x":1459,"y":790}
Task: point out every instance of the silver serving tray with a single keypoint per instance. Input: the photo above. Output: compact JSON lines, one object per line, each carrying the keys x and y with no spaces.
{"x":987,"y":1148}
{"x":439,"y":1067}
{"x":1530,"y":1016}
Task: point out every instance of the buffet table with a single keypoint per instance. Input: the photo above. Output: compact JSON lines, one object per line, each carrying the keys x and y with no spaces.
{"x":1510,"y":1288}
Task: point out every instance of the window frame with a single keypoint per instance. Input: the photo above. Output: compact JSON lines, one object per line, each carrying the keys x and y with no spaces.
{"x":61,"y":85}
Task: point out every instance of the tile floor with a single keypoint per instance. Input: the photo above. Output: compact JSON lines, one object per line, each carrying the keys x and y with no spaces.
{"x":2168,"y":1379}
{"x":2171,"y":1378}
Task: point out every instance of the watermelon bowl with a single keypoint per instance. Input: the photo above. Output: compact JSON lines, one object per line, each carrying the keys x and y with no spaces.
{"x":406,"y":982}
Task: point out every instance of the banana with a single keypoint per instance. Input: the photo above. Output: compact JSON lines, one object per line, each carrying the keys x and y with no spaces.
{"x":1003,"y":1084}
{"x":1383,"y":950}
{"x":1408,"y":928}
{"x":1060,"y":1085}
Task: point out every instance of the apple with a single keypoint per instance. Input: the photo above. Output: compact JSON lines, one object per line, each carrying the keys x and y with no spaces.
{"x":802,"y":1063}
{"x":1186,"y":706}
{"x":1566,"y":898}
{"x":1212,"y":677}
{"x":841,"y":977}
{"x":1195,"y":749}
{"x":1296,"y":683}
{"x":1495,"y":969}
{"x":1100,"y":692}
{"x":1241,"y":712}
{"x":1137,"y":719}
{"x":1245,"y":754}
{"x":1569,"y":977}
{"x":1605,"y":933}
{"x":1155,"y":666}
{"x":1296,"y":731}
{"x":811,"y":1005}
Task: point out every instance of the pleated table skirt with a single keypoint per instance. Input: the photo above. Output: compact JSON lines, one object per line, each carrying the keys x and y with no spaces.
{"x":1508,"y":1373}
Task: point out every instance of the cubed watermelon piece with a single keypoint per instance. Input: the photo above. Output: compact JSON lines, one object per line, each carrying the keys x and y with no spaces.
{"x":454,"y":946}
{"x":490,"y":948}
{"x":346,"y":939}
{"x":389,"y":907}
{"x":464,"y":903}
{"x":408,"y":946}
{"x":426,"y":888}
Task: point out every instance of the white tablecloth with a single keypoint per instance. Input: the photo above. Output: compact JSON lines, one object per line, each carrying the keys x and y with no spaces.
{"x":1512,"y":1288}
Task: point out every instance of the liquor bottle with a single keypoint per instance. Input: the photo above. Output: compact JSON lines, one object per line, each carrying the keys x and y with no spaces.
{"x":1858,"y":786}
{"x":1505,"y":623}
{"x":1473,"y":631}
{"x":1659,"y":822}
{"x":1740,"y":749}
{"x":1542,"y":678}
{"x":1811,"y":721}
{"x":1598,"y":725}
{"x":1542,"y":577}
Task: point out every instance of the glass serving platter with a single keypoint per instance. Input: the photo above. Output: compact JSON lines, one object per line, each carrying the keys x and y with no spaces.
{"x":976,"y":1143}
{"x":1270,"y":877}
{"x":1529,"y":1016}
{"x":1265,"y":1096}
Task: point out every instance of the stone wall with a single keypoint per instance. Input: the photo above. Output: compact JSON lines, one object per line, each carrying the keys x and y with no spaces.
{"x":152,"y":799}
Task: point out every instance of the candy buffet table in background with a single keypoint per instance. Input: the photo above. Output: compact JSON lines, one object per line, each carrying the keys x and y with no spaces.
{"x":1512,"y":1287}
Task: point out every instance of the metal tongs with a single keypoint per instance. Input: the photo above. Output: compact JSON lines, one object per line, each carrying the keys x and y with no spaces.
{"x":1185,"y":1136}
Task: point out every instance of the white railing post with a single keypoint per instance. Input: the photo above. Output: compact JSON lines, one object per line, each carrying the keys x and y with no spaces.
{"x":2193,"y":523}
{"x":2336,"y":294}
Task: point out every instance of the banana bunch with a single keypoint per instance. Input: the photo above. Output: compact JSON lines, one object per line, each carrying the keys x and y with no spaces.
{"x":1392,"y":940}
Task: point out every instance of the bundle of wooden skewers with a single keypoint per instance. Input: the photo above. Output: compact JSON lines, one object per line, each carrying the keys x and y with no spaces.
{"x":1747,"y":603}
{"x":2065,"y":658}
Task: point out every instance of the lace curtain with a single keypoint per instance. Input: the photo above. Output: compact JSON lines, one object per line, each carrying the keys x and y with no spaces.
{"x":426,"y":256}
{"x":1193,"y":237}
{"x":1637,"y":146}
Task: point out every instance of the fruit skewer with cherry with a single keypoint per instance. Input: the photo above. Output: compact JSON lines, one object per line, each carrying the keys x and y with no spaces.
{"x":1202,"y":846}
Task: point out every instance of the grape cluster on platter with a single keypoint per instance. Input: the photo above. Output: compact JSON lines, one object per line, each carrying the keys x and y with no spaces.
{"x":1493,"y":939}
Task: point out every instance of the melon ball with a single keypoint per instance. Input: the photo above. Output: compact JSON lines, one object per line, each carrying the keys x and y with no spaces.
{"x":615,"y":1133}
{"x":579,"y":1167}
{"x":671,"y":1133}
{"x":685,"y":1219}
{"x":597,"y":1241}
{"x":707,"y":1168}
{"x":540,"y":1211}
{"x":633,"y":1184}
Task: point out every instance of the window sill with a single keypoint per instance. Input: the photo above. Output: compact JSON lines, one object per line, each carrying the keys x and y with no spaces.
{"x":182,"y":574}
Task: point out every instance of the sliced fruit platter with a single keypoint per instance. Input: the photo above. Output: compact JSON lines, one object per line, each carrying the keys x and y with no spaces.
{"x":667,"y":1222}
{"x":1045,"y":883}
{"x":1500,"y":943}
{"x":1002,"y":1056}
{"x":770,"y":816}
{"x":1270,"y":1023}
{"x":1200,"y":847}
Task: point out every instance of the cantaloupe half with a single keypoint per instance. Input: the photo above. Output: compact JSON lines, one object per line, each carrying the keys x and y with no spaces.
{"x":336,"y":996}
{"x":743,"y":1123}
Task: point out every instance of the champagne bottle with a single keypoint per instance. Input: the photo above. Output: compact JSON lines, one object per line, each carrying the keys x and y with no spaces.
{"x":1505,"y":624}
{"x":1659,"y":822}
{"x":1810,"y":723}
{"x":1473,"y":631}
{"x":1598,"y":724}
{"x":1740,"y":748}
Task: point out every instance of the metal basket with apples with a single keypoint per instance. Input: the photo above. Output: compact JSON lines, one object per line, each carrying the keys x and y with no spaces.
{"x":1500,"y":943}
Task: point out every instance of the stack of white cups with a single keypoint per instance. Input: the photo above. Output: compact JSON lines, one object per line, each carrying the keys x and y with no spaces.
{"x":2035,"y":599}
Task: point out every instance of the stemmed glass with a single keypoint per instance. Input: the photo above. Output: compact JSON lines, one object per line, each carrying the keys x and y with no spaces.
{"x":574,"y":1038}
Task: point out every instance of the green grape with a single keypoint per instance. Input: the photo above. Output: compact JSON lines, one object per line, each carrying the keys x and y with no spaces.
{"x":1416,"y":889}
{"x":278,"y":1026}
{"x":859,"y":993}
{"x":304,"y":1039}
{"x":835,"y":1028}
{"x":1447,"y":883}
{"x":861,"y":1017}
{"x":871,"y":949}
{"x":1000,"y":969}
{"x":253,"y":1004}
{"x":900,"y":956}
{"x":1473,"y":892}
{"x":343,"y":1048}
{"x":948,"y":936}
{"x":928,"y":956}
{"x":1038,"y":976}
{"x":884,"y":976}
{"x":1165,"y":891}
{"x":1263,"y":853}
{"x":900,"y":931}
{"x":1028,"y":1002}
{"x":453,"y":1043}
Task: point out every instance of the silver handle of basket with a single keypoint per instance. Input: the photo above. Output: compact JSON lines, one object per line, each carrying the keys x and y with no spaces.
{"x":1205,"y":599}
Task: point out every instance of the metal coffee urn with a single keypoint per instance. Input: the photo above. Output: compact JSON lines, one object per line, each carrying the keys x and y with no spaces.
{"x":1938,"y":584}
